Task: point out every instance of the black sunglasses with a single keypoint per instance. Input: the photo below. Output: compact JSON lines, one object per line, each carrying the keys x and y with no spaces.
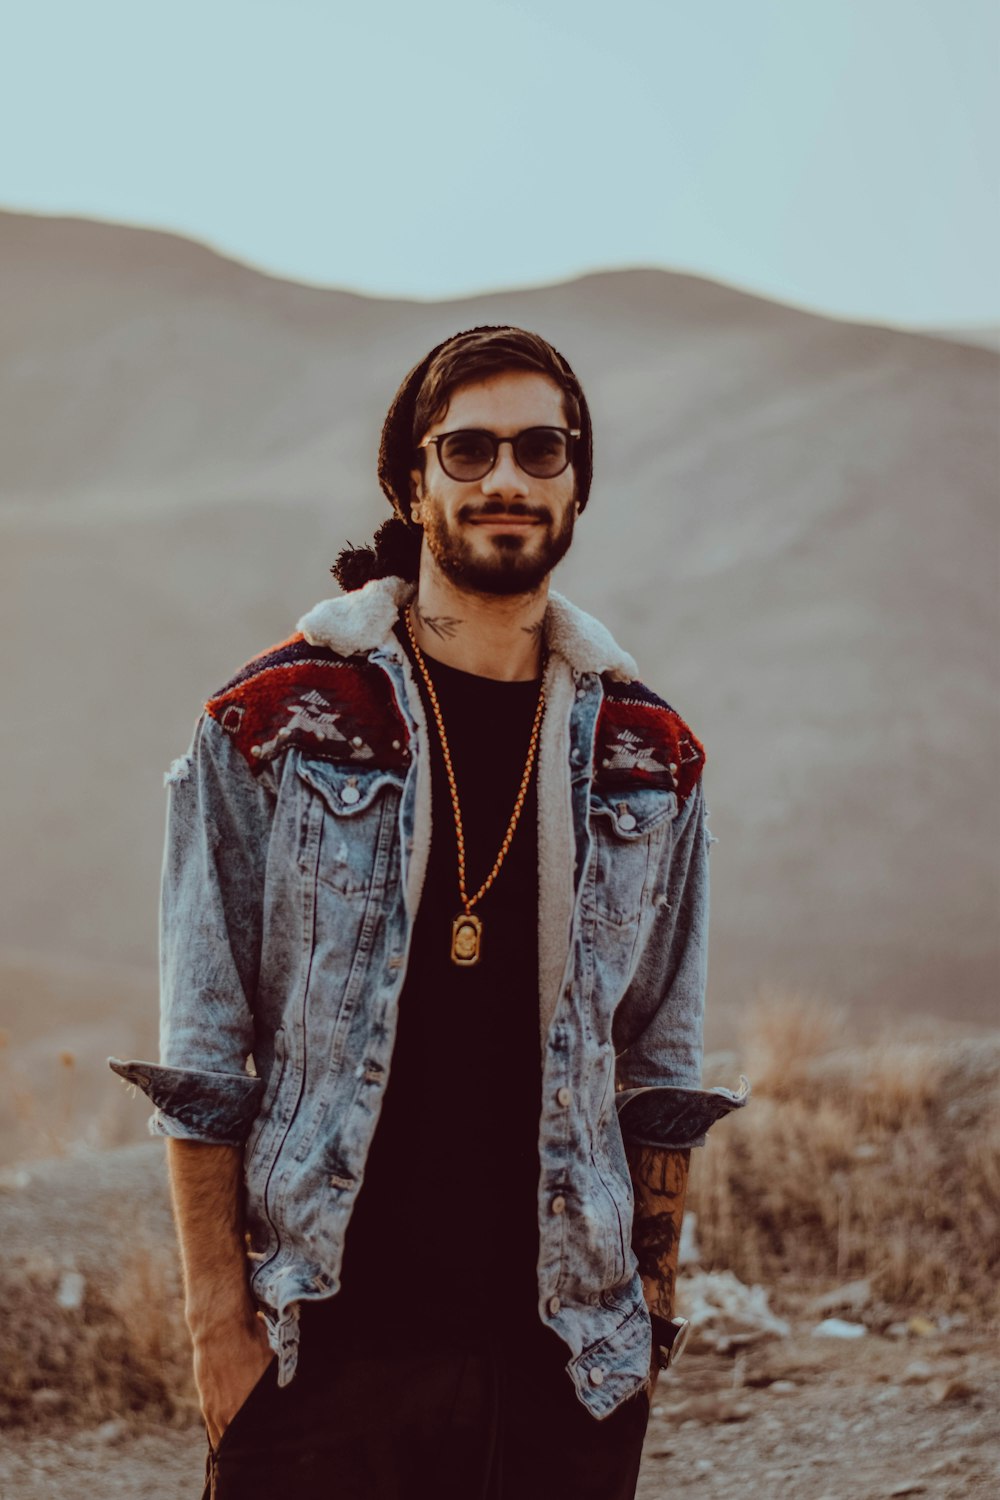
{"x":471,"y":452}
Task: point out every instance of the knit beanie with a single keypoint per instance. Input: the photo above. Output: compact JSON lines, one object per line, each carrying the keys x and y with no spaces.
{"x":397,"y":541}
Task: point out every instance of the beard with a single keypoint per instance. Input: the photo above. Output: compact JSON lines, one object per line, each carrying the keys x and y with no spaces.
{"x":518,"y":564}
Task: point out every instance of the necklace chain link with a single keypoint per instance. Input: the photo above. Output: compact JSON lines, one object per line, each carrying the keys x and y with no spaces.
{"x":468,"y":902}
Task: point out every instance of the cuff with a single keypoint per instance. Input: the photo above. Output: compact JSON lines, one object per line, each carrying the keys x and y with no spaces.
{"x":217,"y":1108}
{"x":675,"y":1118}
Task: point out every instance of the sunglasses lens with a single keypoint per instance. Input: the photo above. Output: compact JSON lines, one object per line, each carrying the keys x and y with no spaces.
{"x":466,"y":455}
{"x":542,"y":451}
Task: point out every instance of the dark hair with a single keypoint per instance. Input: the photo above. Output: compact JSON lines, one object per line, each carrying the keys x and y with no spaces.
{"x":394,"y":553}
{"x":422,"y":399}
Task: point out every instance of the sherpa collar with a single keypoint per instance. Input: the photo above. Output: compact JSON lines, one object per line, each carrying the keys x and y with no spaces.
{"x":364,"y":619}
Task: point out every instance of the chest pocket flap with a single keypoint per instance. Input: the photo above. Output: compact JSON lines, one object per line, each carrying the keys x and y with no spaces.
{"x":346,"y":790}
{"x":633,"y":812}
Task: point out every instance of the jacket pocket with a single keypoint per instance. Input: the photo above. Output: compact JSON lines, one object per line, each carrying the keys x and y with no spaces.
{"x":618,"y":1231}
{"x":628,"y":829}
{"x":266,"y":1113}
{"x":351,"y":814}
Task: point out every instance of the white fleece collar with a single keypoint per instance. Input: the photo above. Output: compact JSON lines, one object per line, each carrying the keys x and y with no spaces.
{"x":364,"y":619}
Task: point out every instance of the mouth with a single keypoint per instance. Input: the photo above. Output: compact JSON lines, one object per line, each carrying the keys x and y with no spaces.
{"x":506,"y":521}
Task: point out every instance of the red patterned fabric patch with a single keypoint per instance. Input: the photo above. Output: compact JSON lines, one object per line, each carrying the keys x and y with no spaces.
{"x":642,"y":741}
{"x":334,"y":707}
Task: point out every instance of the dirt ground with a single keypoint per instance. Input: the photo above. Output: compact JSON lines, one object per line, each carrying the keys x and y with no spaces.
{"x":817,"y":1419}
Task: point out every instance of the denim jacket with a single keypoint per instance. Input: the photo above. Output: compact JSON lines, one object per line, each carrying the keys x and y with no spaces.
{"x":297,"y":839}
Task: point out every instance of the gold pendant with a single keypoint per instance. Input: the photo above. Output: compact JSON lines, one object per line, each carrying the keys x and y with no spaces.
{"x":466,"y":935}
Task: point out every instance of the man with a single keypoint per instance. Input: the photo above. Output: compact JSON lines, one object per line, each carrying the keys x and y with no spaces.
{"x":433,"y":965}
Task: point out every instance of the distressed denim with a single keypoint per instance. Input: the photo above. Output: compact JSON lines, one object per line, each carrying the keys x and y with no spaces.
{"x":287,"y":908}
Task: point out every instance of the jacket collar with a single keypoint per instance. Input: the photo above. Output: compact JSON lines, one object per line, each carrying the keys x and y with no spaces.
{"x":363,"y":620}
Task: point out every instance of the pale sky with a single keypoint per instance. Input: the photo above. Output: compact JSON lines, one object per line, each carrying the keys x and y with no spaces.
{"x":842,"y":155}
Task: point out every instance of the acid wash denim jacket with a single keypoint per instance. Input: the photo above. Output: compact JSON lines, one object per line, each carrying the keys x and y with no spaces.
{"x":297,"y":839}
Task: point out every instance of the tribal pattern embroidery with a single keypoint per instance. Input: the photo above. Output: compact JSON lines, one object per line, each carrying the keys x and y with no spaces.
{"x":338,"y":708}
{"x":642,"y":741}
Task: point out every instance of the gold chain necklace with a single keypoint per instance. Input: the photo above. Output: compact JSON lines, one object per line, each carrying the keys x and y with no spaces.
{"x":467,"y":928}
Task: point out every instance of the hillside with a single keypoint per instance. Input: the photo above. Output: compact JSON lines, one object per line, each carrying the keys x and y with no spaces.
{"x":793,"y":527}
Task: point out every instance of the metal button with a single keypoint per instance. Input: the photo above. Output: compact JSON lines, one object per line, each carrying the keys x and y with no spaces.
{"x":597,"y":1376}
{"x":627,"y":822}
{"x":554,"y":1305}
{"x":350,"y":795}
{"x":673,"y":768}
{"x":357,"y":740}
{"x":558,"y":1204}
{"x":563,"y":1096}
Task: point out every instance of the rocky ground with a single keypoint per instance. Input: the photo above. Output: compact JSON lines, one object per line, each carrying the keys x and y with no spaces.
{"x":813,"y":1418}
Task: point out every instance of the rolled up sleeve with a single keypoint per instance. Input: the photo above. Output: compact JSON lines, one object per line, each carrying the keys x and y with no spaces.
{"x":193,"y":1105}
{"x":219,"y":818}
{"x":659,"y":1024}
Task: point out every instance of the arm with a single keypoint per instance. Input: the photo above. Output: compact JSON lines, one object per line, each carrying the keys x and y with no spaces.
{"x":662,"y":1109}
{"x":218,"y":828}
{"x":231,"y":1350}
{"x":659,"y":1180}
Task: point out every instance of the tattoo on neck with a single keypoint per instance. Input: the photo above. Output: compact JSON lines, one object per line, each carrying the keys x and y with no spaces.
{"x":537,"y":629}
{"x":443,"y":626}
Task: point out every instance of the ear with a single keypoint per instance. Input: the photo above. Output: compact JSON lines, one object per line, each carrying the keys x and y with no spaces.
{"x":416,"y":495}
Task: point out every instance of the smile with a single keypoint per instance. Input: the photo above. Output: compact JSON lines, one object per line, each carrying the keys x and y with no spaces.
{"x":506,"y":523}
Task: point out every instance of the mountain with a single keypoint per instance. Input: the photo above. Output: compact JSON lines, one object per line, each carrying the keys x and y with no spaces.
{"x":793,"y":526}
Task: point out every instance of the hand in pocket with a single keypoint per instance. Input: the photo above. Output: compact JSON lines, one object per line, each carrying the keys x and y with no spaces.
{"x":227,"y":1367}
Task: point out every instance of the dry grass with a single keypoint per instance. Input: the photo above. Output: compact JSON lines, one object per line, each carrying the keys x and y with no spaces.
{"x":880,"y":1162}
{"x":122,"y":1352}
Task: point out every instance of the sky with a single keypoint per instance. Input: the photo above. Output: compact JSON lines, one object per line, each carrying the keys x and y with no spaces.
{"x":841,"y":155}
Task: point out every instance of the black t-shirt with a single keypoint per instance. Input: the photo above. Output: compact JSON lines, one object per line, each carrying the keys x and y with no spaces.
{"x":445,"y":1226}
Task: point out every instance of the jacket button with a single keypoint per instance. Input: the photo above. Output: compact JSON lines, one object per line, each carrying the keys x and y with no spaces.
{"x":597,"y":1376}
{"x":350,"y":794}
{"x":558,"y":1204}
{"x":563,"y":1096}
{"x":627,"y":822}
{"x":554,"y":1305}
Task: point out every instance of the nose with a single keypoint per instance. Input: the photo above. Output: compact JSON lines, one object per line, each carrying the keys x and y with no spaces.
{"x":505,"y":479}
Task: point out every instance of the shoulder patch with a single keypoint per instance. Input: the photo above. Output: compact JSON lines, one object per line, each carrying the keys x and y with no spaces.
{"x":642,"y":741}
{"x":334,"y":707}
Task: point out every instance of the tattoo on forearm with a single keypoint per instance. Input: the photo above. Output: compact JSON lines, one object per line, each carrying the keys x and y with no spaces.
{"x":659,"y":1179}
{"x":443,"y":626}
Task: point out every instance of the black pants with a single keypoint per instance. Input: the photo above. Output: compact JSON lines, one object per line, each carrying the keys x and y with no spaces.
{"x":457,"y":1423}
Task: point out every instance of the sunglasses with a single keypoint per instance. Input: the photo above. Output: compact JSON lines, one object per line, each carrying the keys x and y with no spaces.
{"x":471,"y":452}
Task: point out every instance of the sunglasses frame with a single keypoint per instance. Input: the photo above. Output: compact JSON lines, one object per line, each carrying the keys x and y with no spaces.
{"x":569,"y":433}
